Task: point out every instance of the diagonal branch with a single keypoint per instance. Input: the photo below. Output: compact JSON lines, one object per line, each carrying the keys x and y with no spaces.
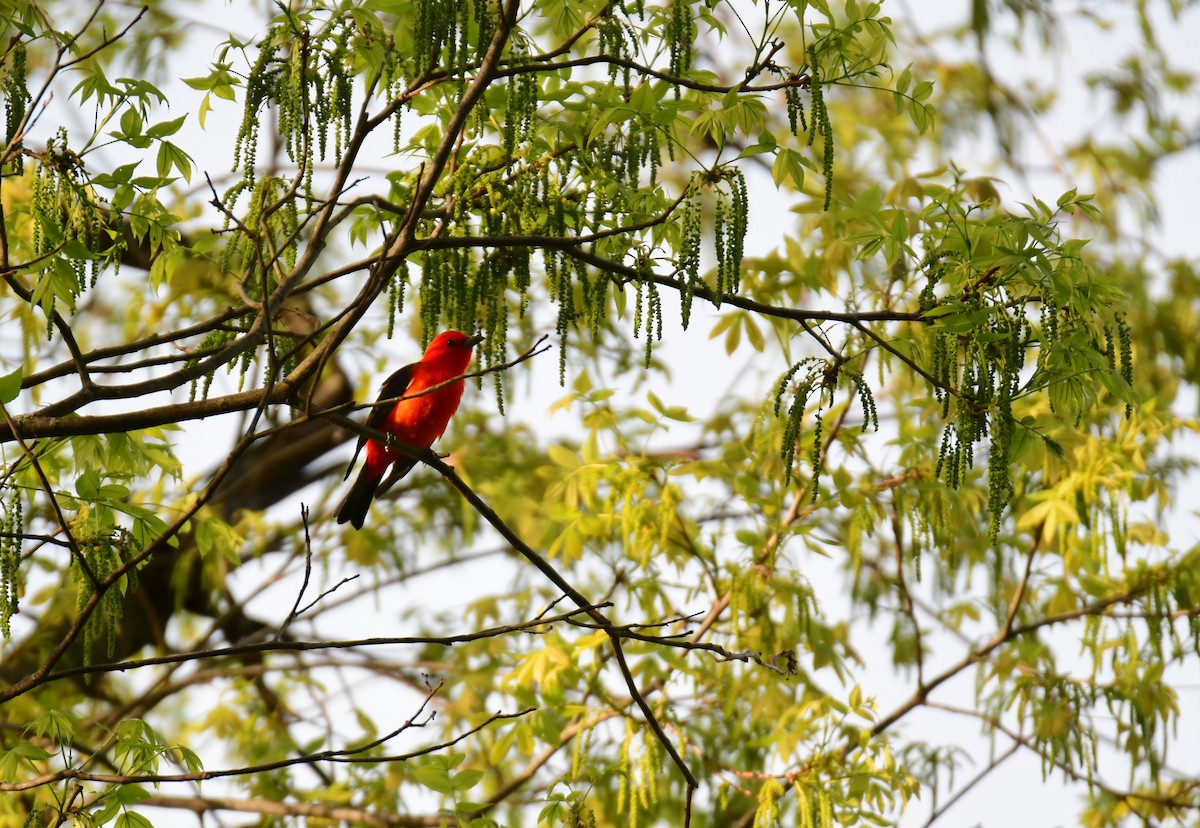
{"x":614,"y":634}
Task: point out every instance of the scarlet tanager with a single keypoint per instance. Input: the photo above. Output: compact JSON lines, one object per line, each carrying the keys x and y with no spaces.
{"x":417,"y":421}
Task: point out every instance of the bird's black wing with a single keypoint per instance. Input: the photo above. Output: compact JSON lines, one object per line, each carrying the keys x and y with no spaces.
{"x":393,"y":386}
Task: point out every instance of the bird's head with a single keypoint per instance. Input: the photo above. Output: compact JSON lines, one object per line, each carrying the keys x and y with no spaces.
{"x":452,"y":348}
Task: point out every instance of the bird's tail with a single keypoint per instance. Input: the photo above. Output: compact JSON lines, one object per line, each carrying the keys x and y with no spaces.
{"x":358,"y":500}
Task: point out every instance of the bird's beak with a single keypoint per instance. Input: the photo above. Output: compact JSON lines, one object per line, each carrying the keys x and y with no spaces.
{"x":472,"y":341}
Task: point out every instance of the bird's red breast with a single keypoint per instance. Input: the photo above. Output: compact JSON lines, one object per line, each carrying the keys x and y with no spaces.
{"x":419,"y":420}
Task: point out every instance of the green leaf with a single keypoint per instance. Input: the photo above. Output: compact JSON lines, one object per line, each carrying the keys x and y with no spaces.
{"x":87,"y":485}
{"x":132,"y":820}
{"x":564,"y":457}
{"x":10,"y":385}
{"x":131,"y":794}
{"x":56,"y":725}
{"x":170,"y":156}
{"x":788,"y":169}
{"x":120,"y":175}
{"x":131,"y":123}
{"x":435,"y":777}
{"x":465,"y":780}
{"x":190,"y":760}
{"x":162,"y":130}
{"x":33,"y":753}
{"x":766,"y":143}
{"x":754,"y":335}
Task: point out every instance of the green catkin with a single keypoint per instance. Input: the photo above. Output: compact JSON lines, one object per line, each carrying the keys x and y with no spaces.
{"x":610,"y":43}
{"x":599,"y":306}
{"x":289,"y":95}
{"x":1125,"y":343}
{"x":63,"y":209}
{"x":343,"y":92}
{"x":820,"y":123}
{"x":816,"y":455}
{"x":654,"y":320}
{"x":12,"y":526}
{"x":632,"y":154}
{"x":814,"y":369}
{"x":689,"y":256}
{"x":1000,"y":487}
{"x":719,"y":248}
{"x":827,"y":130}
{"x":737,"y":227}
{"x":654,"y":153}
{"x":804,"y":811}
{"x":511,"y":121}
{"x":681,"y":32}
{"x":485,"y":24}
{"x":396,"y":287}
{"x":396,"y":125}
{"x":937,"y":364}
{"x":460,"y":12}
{"x":791,"y":432}
{"x":866,"y":399}
{"x":101,"y":556}
{"x":564,"y":291}
{"x":460,"y":46}
{"x":422,"y":34}
{"x":258,"y":91}
{"x":943,"y":453}
{"x":16,"y":95}
{"x":795,"y":109}
{"x":430,"y":305}
{"x":82,"y":593}
{"x":999,"y":480}
{"x":639,"y":287}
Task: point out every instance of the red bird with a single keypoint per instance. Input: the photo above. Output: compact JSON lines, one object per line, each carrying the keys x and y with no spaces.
{"x":416,"y":421}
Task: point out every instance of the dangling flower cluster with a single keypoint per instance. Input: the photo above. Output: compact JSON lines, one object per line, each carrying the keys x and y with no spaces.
{"x":433,"y":27}
{"x":1125,"y":344}
{"x":648,"y":296}
{"x":730,"y":224}
{"x":820,"y":123}
{"x":15,"y":92}
{"x":822,"y":377}
{"x":617,"y":41}
{"x":69,"y":227}
{"x":12,"y":526}
{"x":333,"y":90}
{"x":815,"y":811}
{"x":637,"y":787}
{"x":521,"y":93}
{"x":689,"y":252}
{"x":681,"y":37}
{"x":813,"y":373}
{"x":795,"y":107}
{"x":395,"y":297}
{"x":866,"y":399}
{"x":308,"y":78}
{"x":446,"y":288}
{"x":268,"y":233}
{"x":979,"y":378}
{"x":100,"y":556}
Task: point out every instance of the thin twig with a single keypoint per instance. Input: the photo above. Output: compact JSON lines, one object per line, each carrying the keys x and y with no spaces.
{"x":307,"y":574}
